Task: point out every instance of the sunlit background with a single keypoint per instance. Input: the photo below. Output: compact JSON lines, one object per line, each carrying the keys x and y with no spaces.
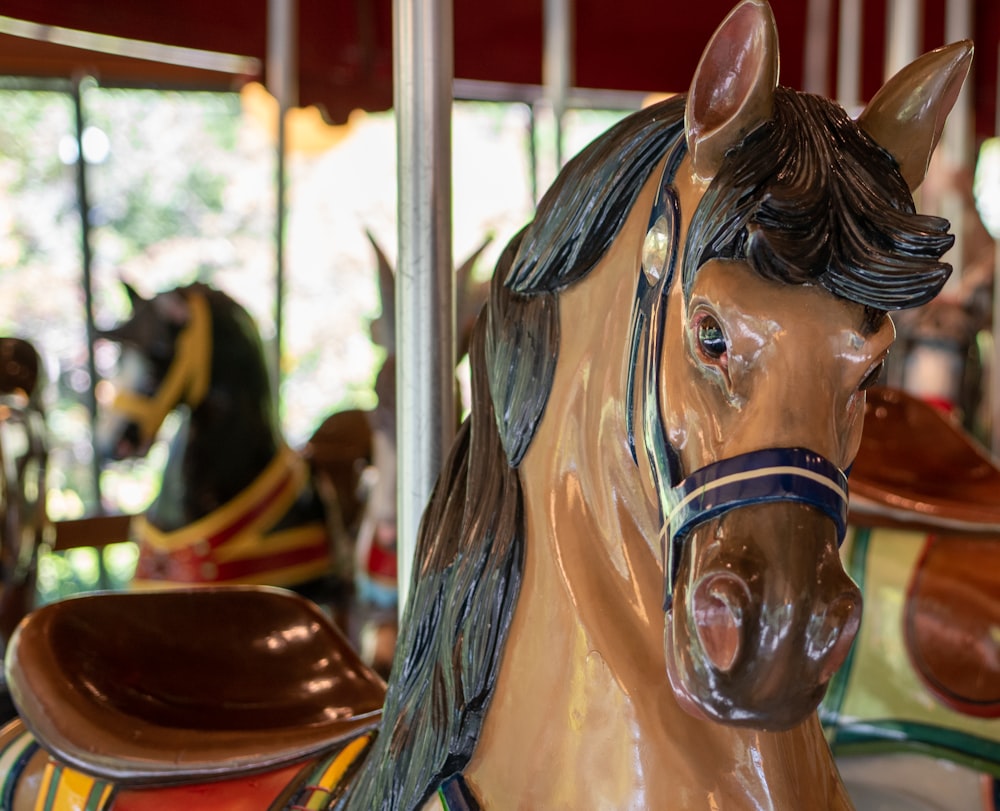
{"x":182,"y":188}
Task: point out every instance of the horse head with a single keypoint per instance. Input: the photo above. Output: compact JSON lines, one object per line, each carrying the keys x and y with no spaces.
{"x":137,"y":401}
{"x":770,"y":338}
{"x":191,"y":346}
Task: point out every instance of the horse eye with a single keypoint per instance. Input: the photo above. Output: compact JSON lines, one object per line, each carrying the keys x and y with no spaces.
{"x":872,"y":377}
{"x":711,"y":338}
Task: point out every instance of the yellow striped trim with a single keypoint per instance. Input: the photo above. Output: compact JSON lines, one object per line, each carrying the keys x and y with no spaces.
{"x":187,"y":379}
{"x":335,"y":772}
{"x":289,"y":576}
{"x":217,"y":521}
{"x":248,"y":547}
{"x":65,"y":789}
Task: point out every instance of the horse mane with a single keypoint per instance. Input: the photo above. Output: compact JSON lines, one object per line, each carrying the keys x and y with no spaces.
{"x":465,"y":586}
{"x":470,"y":546}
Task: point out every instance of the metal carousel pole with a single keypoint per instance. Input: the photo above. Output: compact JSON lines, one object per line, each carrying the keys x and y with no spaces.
{"x":282,"y":83}
{"x":425,"y":300}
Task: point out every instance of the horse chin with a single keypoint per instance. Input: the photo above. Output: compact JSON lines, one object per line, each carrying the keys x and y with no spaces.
{"x":708,"y":698}
{"x":128,"y":445}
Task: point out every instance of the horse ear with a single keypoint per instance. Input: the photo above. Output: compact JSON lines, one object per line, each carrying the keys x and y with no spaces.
{"x":383,"y":328}
{"x":732,"y":91}
{"x":120,"y":332}
{"x":463,"y":274}
{"x":907,"y":115}
{"x":134,"y":299}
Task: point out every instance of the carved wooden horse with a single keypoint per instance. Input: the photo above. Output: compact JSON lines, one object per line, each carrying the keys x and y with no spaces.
{"x":627,"y":591}
{"x":237,"y":505}
{"x":376,"y":537}
{"x":939,"y":354}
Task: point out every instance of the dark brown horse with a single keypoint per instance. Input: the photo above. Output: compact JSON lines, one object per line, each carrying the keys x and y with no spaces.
{"x":236,"y":505}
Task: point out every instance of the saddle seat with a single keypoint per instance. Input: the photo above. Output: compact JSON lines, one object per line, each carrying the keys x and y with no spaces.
{"x":918,"y":469}
{"x":176,"y":686}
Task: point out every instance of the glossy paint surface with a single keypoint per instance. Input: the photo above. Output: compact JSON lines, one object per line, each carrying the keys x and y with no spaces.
{"x":579,"y":691}
{"x":171,"y":685}
{"x":763,"y":613}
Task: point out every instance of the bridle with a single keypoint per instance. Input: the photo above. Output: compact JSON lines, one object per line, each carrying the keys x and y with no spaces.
{"x":187,"y":379}
{"x":763,"y":476}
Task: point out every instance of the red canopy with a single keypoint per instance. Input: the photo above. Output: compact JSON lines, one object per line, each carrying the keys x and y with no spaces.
{"x":345,"y":48}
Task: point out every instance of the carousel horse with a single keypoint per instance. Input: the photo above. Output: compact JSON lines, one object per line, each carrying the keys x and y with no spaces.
{"x":919,"y":695}
{"x":376,"y":612}
{"x":237,"y":504}
{"x":627,"y":590}
{"x":376,"y":537}
{"x":23,"y":461}
{"x":940,"y":354}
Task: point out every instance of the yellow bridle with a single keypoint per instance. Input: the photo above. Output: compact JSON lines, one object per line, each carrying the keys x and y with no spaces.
{"x":186,"y":380}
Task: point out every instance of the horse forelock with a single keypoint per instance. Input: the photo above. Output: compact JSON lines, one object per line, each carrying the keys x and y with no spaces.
{"x":809,"y":197}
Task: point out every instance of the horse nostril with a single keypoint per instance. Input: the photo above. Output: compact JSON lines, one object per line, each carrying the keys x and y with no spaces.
{"x":719,"y":603}
{"x":836,"y":633}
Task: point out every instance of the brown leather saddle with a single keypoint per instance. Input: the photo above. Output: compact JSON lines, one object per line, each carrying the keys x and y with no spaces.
{"x":918,"y":470}
{"x":174,"y":686}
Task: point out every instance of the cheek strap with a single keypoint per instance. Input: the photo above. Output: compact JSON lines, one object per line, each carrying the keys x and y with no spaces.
{"x":759,"y":477}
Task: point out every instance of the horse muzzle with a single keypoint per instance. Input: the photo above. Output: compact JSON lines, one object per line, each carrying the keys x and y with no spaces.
{"x":760,"y":610}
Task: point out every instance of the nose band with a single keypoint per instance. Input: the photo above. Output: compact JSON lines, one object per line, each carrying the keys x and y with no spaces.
{"x":760,"y":477}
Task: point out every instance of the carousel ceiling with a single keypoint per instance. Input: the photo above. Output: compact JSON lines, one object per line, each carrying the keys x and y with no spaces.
{"x":345,"y":46}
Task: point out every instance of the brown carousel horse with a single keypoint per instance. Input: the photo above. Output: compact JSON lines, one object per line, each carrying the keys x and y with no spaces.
{"x":374,"y":615}
{"x":627,"y":591}
{"x":940,"y":355}
{"x":376,"y":537}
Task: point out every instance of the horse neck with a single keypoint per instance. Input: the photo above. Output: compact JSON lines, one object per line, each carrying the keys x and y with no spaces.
{"x":222,"y":446}
{"x":592,"y":518}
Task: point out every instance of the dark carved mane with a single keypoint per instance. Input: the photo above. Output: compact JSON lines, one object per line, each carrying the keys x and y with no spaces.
{"x":470,"y":548}
{"x":809,"y":197}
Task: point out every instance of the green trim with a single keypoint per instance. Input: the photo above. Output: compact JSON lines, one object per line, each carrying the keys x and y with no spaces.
{"x":857,"y":561}
{"x":907,"y":736}
{"x":96,"y":794}
{"x":50,"y":796}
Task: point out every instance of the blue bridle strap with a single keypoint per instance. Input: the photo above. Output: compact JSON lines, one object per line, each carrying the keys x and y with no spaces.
{"x":760,"y":477}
